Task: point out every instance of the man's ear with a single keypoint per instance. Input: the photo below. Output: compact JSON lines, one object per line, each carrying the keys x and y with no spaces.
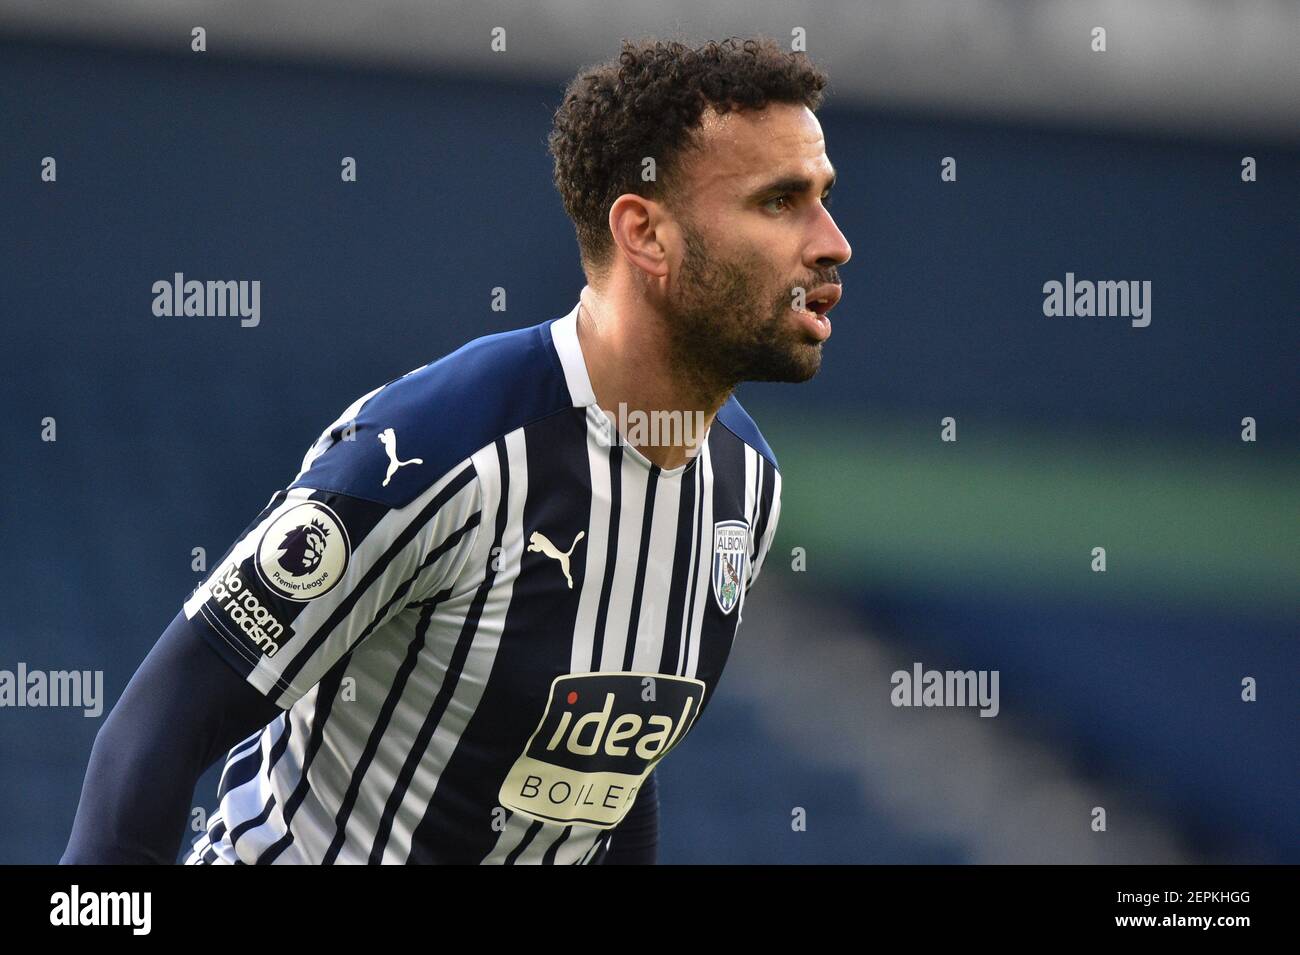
{"x":642,"y":230}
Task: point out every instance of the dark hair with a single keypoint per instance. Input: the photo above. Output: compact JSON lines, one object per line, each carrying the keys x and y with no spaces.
{"x":647,"y":102}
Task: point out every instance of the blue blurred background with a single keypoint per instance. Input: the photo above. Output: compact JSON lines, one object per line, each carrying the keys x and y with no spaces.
{"x":1120,"y":690}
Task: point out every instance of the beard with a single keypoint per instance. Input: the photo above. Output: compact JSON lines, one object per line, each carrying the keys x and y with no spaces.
{"x":724,"y":328}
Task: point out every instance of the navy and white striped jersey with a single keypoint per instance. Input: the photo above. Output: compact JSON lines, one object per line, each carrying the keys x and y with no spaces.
{"x":486,"y":616}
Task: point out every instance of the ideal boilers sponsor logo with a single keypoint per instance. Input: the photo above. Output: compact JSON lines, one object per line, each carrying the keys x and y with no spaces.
{"x":599,"y":737}
{"x":304,"y":552}
{"x":239,"y":605}
{"x":730,"y":555}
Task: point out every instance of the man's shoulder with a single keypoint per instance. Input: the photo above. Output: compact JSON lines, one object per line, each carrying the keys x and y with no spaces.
{"x":395,"y":442}
{"x":736,"y":419}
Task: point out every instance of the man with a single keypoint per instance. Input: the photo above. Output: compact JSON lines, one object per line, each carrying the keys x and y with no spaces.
{"x":475,"y":621}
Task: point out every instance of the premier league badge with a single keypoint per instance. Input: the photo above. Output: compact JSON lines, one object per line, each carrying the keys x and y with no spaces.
{"x":303,"y":552}
{"x":730,"y":556}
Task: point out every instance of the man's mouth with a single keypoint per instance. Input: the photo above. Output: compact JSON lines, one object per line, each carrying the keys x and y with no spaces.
{"x":817,"y":303}
{"x":822,"y":299}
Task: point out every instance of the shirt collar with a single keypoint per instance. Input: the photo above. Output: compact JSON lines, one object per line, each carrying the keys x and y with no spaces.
{"x":564,"y":333}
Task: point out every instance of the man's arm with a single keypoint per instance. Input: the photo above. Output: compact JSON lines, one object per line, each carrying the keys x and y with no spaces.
{"x":183,"y":708}
{"x":636,"y":838}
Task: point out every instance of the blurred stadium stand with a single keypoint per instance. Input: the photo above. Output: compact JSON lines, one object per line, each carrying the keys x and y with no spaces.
{"x":1119,"y":690}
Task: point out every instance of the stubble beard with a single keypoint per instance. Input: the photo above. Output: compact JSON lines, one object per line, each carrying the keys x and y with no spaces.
{"x":723,"y":329}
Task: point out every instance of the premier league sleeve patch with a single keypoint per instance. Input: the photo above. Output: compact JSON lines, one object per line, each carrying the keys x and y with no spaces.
{"x":252,"y":598}
{"x":304,"y":552}
{"x":730,"y":562}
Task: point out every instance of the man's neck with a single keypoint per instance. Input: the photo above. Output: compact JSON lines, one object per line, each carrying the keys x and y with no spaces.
{"x":629,"y":360}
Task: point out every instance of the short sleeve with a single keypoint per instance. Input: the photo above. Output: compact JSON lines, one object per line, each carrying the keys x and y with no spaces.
{"x":319,"y":571}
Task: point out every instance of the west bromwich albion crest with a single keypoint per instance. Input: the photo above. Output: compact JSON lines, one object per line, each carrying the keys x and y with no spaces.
{"x":730,"y":559}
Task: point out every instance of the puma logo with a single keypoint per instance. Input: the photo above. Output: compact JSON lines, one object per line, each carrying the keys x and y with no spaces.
{"x":539,"y":543}
{"x":389,"y":439}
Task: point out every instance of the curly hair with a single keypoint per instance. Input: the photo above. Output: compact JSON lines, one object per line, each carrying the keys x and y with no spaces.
{"x":648,"y":102}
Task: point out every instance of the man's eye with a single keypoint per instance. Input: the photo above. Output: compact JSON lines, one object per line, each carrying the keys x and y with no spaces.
{"x":785,"y":199}
{"x":826,"y":200}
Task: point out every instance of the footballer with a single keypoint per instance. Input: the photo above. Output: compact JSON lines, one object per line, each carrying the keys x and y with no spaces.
{"x":472,"y":625}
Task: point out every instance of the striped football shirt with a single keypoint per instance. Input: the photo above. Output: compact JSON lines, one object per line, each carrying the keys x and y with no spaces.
{"x":485,"y":615}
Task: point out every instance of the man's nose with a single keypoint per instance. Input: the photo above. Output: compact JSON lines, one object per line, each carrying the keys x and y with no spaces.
{"x":829,"y":247}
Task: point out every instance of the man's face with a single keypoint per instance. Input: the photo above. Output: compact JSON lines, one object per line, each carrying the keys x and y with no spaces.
{"x":754,"y":231}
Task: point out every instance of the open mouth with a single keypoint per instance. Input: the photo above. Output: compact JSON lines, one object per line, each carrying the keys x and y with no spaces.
{"x":816,"y":304}
{"x":822,"y":299}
